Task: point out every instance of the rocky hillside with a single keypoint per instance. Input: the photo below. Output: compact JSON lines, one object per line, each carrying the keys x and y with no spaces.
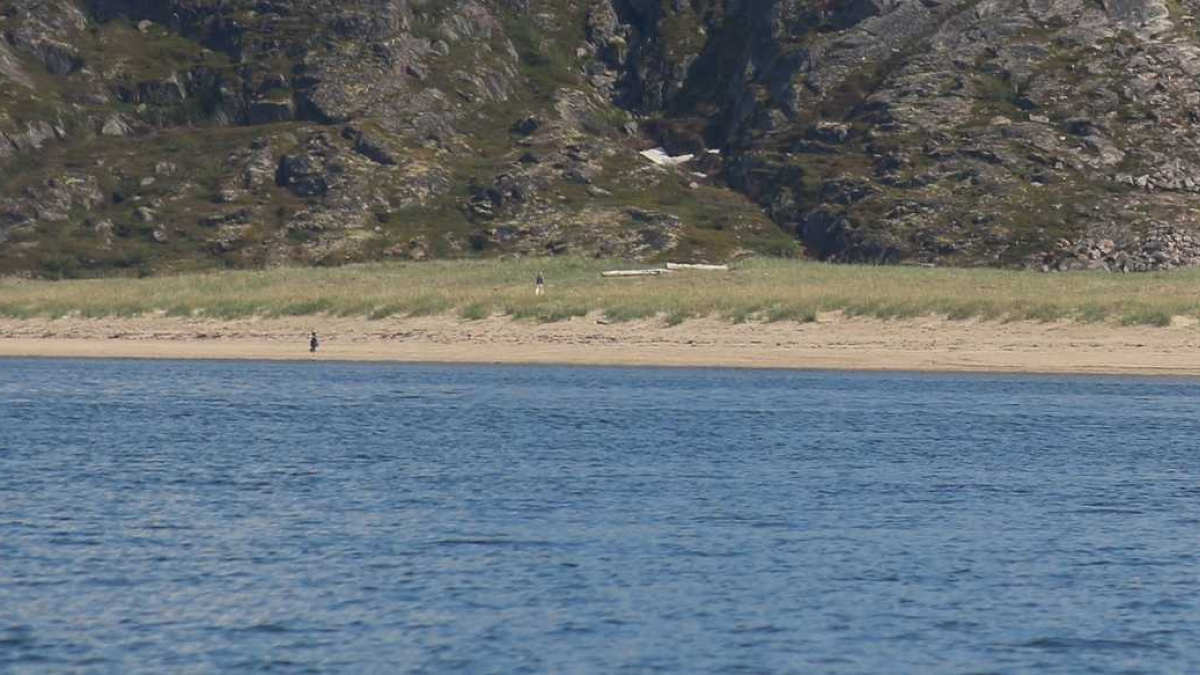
{"x":151,"y":136}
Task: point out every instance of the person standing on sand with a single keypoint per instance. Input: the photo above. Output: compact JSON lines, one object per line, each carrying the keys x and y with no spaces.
{"x":539,"y":284}
{"x":313,"y":343}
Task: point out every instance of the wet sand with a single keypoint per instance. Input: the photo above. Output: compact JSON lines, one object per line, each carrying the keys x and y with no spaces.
{"x":833,"y":342}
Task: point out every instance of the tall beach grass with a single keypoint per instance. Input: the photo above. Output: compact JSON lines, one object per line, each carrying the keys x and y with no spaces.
{"x":754,"y":290}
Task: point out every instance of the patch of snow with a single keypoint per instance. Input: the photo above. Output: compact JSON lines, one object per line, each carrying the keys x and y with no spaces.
{"x":661,"y":158}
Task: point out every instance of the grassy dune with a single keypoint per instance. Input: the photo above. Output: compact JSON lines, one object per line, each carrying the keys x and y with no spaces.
{"x":759,"y":290}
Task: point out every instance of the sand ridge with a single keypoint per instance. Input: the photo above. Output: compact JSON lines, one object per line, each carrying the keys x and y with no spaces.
{"x":833,"y":342}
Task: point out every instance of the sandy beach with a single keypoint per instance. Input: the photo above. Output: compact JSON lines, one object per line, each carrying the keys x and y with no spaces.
{"x":833,"y":342}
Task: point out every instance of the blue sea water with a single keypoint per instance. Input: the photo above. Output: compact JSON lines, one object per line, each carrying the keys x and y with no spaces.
{"x":197,"y":517}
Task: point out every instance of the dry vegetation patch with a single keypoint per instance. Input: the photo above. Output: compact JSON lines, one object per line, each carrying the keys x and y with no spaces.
{"x":753,"y":290}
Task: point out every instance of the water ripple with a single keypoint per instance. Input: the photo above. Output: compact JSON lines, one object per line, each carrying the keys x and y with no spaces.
{"x":337,"y":518}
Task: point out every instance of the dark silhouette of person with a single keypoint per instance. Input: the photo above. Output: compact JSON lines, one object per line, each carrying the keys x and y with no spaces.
{"x":313,"y":343}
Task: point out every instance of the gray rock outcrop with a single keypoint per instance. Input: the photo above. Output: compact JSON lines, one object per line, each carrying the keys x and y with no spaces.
{"x":1052,"y":134}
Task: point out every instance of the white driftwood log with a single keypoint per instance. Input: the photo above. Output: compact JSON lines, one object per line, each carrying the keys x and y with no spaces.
{"x":634,"y":273}
{"x":690,"y":266}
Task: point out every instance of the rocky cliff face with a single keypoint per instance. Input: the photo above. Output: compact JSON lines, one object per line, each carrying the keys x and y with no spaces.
{"x":161,"y":135}
{"x":982,"y":132}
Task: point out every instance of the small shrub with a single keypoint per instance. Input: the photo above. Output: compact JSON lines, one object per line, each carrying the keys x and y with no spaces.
{"x":384,"y":311}
{"x":475,"y":311}
{"x":1092,"y":313}
{"x":1147,"y":317}
{"x":306,"y":307}
{"x":231,"y":308}
{"x":1045,"y":312}
{"x":797,"y":313}
{"x":562,"y":312}
{"x":427,"y":305}
{"x":630,"y":311}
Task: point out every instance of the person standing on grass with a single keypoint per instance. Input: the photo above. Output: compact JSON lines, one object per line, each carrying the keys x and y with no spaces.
{"x":539,"y":284}
{"x":313,"y":342}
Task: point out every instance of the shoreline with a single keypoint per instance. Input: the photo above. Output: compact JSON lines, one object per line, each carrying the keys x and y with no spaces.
{"x":834,"y":342}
